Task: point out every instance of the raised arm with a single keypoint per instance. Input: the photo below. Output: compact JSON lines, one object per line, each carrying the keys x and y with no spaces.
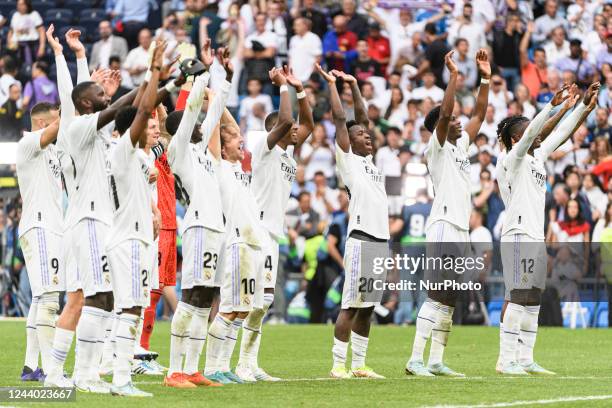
{"x":482,"y":101}
{"x":147,"y":104}
{"x":305,"y":119}
{"x":338,"y":115}
{"x":448,"y":102}
{"x":217,"y":106}
{"x":285,"y":117}
{"x":64,"y":81}
{"x":572,"y":122}
{"x":72,"y":39}
{"x":552,"y":123}
{"x":49,"y":135}
{"x":361,"y":112}
{"x":524,"y":45}
{"x":535,"y":126}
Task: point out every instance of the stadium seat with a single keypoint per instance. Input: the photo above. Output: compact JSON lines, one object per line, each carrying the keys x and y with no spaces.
{"x":79,"y":4}
{"x":92,"y":14}
{"x":59,"y":16}
{"x":7,"y":7}
{"x":42,"y":6}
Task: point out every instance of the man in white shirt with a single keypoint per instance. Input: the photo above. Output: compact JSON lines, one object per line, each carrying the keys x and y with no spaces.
{"x":68,"y":319}
{"x":523,"y":228}
{"x":243,"y":261}
{"x":193,"y":155}
{"x":40,"y":229}
{"x":549,"y":21}
{"x":465,"y":27}
{"x":8,"y":78}
{"x":130,"y":240}
{"x":305,"y":49}
{"x":108,"y":46}
{"x":135,"y":63}
{"x":449,"y":166}
{"x":255,"y":107}
{"x":274,"y":170}
{"x":387,"y":157}
{"x":429,"y":89}
{"x":557,"y":48}
{"x":368,"y":229}
{"x":324,"y":199}
{"x":89,"y":221}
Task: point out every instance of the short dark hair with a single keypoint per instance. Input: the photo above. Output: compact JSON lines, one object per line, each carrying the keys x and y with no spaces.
{"x":431,"y":120}
{"x":394,"y":129}
{"x":302,"y":194}
{"x":319,"y":173}
{"x":77,"y":93}
{"x":114,"y":58}
{"x":173,"y":121}
{"x":43,"y":66}
{"x":10,"y":65}
{"x":430,"y":28}
{"x":539,"y":49}
{"x":124,"y":118}
{"x":351,"y":123}
{"x":42,"y":107}
{"x":270,"y":121}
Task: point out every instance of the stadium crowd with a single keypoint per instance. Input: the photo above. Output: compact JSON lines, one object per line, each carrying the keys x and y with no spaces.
{"x":395,"y":49}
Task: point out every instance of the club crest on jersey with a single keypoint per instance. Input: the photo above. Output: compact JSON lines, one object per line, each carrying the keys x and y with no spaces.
{"x":288,"y":172}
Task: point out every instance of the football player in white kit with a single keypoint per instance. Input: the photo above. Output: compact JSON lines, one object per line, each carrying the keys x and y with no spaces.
{"x":524,"y":256}
{"x":68,"y":319}
{"x":449,"y":165}
{"x":500,"y":174}
{"x":241,"y":287}
{"x":131,"y":235}
{"x":193,"y":155}
{"x":41,"y":228}
{"x":368,"y":226}
{"x":274,"y":171}
{"x":89,"y":221}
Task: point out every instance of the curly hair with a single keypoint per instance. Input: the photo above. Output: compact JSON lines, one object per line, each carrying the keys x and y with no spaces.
{"x":507,"y":127}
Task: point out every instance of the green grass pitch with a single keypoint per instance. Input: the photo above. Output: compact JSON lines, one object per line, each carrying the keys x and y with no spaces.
{"x":302,"y":355}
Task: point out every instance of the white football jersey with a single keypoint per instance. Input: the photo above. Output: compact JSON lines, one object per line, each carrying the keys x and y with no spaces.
{"x":526,"y":175}
{"x":365,"y":184}
{"x":194,"y":167}
{"x":449,"y":167}
{"x":131,"y":194}
{"x":273,"y":175}
{"x":40,"y":184}
{"x":149,"y":159}
{"x":89,"y":149}
{"x":239,"y":206}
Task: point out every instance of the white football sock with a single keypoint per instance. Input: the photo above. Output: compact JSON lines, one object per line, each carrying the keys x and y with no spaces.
{"x":108,"y":352}
{"x":61,"y":346}
{"x":251,"y":335}
{"x":229,"y":345}
{"x":501,"y":331}
{"x":359,"y":347}
{"x":197,"y":337}
{"x":32,"y":348}
{"x":138,"y":332}
{"x":511,"y":331}
{"x":529,"y":332}
{"x":178,"y":334}
{"x":216,"y":337}
{"x":339,"y":351}
{"x":94,"y":368}
{"x":439,"y":335}
{"x":87,"y":340}
{"x":48,"y":305}
{"x":124,"y":341}
{"x":426,"y":319}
